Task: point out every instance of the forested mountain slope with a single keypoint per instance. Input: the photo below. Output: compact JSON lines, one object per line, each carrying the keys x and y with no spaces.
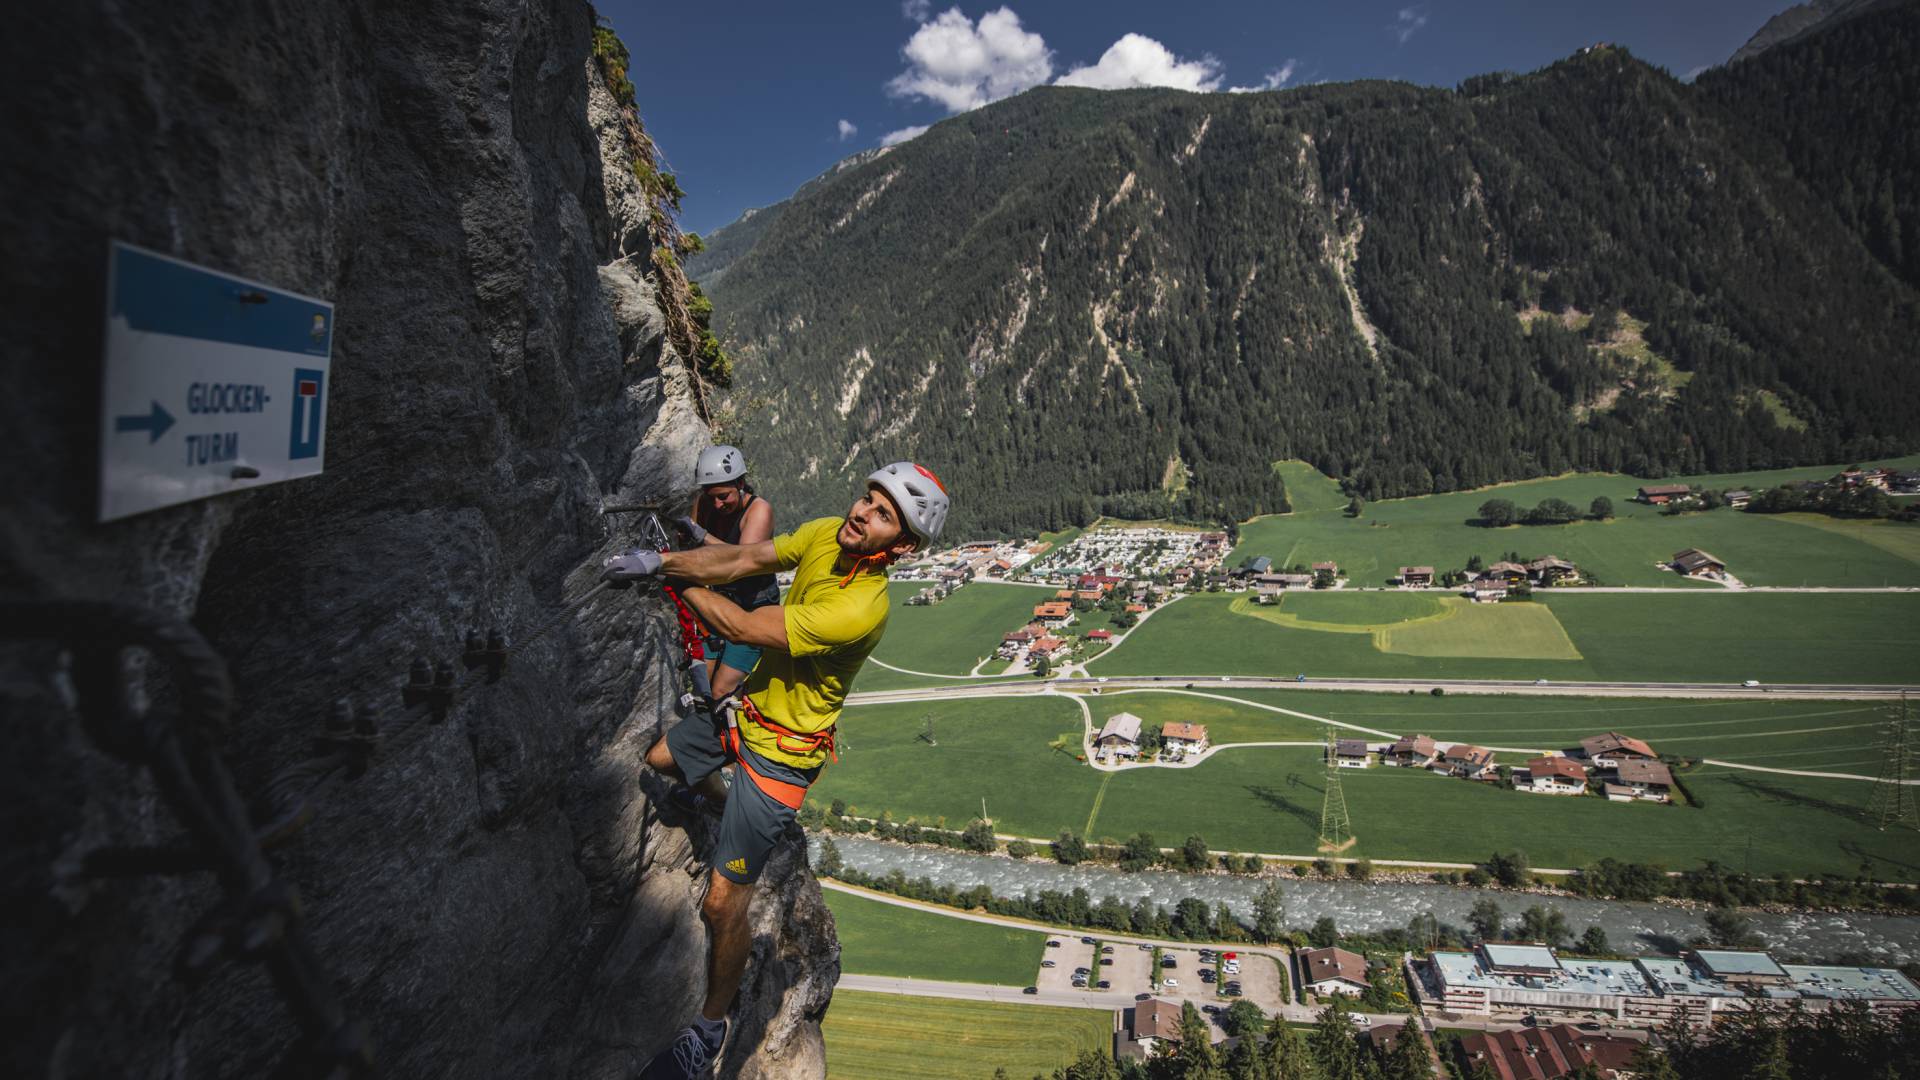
{"x":1075,"y":301}
{"x":1843,"y":105}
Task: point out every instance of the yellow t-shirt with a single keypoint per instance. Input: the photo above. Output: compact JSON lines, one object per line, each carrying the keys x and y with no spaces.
{"x":830,"y":632}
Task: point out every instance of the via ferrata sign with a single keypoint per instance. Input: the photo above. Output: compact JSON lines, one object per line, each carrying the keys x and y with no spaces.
{"x":213,"y":383}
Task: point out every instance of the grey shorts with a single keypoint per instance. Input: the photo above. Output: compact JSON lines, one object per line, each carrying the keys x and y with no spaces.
{"x":753,"y":821}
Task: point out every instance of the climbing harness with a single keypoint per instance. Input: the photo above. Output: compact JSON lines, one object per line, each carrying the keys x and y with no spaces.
{"x":802,"y":742}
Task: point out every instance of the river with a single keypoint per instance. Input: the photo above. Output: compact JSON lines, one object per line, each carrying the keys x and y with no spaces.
{"x":1365,"y":906}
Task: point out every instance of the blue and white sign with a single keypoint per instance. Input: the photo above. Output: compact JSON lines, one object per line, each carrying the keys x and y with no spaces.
{"x":213,"y":383}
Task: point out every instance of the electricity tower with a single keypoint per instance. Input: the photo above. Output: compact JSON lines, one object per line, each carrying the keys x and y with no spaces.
{"x":927,"y":735}
{"x":1893,"y":802}
{"x":1336,"y":828}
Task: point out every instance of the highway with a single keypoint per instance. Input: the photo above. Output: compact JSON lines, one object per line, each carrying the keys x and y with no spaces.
{"x":1018,"y":686}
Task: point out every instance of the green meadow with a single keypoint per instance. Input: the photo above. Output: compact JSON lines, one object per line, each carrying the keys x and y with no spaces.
{"x":878,"y":938}
{"x":1628,"y":637}
{"x":890,"y":1037}
{"x":1630,"y":549}
{"x":1268,"y":798}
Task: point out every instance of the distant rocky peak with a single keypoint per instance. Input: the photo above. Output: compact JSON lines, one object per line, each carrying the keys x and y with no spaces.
{"x":1801,"y":19}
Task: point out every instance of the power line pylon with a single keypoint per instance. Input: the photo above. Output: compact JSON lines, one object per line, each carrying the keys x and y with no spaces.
{"x":1336,"y":828}
{"x":1893,"y":803}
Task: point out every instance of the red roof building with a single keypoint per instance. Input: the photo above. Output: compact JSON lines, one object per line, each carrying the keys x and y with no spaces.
{"x":1545,"y":1053}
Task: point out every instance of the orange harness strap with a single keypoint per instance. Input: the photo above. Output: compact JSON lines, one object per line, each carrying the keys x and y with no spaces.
{"x":883,"y":559}
{"x":787,"y":795}
{"x":803,"y":742}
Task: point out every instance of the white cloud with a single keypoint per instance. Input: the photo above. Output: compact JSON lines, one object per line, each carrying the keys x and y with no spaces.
{"x":1410,"y":20}
{"x":916,"y":9}
{"x":1138,"y":60}
{"x":847,"y":130}
{"x":895,"y":138}
{"x":1274,"y":79}
{"x":962,"y":65}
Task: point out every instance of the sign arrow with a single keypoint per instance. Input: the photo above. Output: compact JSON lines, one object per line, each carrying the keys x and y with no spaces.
{"x":155,"y":424}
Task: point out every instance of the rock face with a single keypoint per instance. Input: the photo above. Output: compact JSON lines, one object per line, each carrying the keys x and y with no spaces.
{"x":500,"y":899}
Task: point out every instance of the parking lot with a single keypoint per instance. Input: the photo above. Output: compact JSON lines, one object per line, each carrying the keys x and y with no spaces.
{"x":1131,"y":974}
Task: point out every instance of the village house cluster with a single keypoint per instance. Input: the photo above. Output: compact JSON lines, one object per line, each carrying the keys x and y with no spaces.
{"x":1893,"y":481}
{"x":953,"y":567}
{"x":1496,"y":582}
{"x":1045,"y":637}
{"x":1175,"y":558}
{"x":1121,"y":739}
{"x":1619,"y":767}
{"x":1690,"y":989}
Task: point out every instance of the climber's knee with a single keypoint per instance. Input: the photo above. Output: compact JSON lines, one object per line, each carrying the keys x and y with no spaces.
{"x":660,"y":757}
{"x":726,"y":900}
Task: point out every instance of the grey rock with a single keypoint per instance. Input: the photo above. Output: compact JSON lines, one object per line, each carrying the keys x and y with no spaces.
{"x":502,"y":898}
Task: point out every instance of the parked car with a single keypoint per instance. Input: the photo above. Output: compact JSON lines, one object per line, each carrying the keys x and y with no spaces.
{"x":1051,"y":944}
{"x":1751,"y":683}
{"x":1106,"y":961}
{"x":1171,"y":984}
{"x":1086,"y":941}
{"x":1105,"y":985}
{"x":1358,"y":1020}
{"x":1231,"y":991}
{"x":1082,"y":970}
{"x":1209,"y":1008}
{"x":1046,"y":963}
{"x":1031,"y":990}
{"x":1168,"y":961}
{"x":1145,"y":947}
{"x":1106,"y":948}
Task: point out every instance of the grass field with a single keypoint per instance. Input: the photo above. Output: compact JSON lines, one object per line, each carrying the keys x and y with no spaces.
{"x":1308,"y":489}
{"x":1419,"y":625}
{"x":1722,"y":637}
{"x":878,"y":938}
{"x":950,"y":637}
{"x":1760,"y":549}
{"x":1268,"y":799}
{"x":889,"y":1037}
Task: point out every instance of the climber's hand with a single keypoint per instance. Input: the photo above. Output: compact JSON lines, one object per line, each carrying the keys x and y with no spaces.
{"x":631,"y":566}
{"x":690,"y":530}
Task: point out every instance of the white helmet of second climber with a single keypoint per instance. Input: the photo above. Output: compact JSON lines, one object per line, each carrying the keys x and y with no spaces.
{"x":919,"y":494}
{"x":720,"y":465}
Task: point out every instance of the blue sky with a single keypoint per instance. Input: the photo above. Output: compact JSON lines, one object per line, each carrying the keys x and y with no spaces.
{"x":751,"y":99}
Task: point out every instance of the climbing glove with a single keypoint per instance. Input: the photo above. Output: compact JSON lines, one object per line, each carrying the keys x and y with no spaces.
{"x":690,"y":529}
{"x":631,"y":565}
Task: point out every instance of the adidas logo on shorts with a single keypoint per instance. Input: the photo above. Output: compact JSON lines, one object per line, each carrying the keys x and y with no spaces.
{"x":738,"y":866}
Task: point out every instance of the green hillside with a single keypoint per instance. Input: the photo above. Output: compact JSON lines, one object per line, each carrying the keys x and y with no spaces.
{"x":1076,"y":302}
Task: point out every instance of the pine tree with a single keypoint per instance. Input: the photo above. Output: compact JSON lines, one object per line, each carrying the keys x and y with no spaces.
{"x":1269,"y":913}
{"x":1410,"y":1058}
{"x":1333,"y":1045}
{"x":1286,"y":1055}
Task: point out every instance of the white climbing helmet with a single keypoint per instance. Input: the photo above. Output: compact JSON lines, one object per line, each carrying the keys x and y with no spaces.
{"x":919,"y":494}
{"x":720,"y":465}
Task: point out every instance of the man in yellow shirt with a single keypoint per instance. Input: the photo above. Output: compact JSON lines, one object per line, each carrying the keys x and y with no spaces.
{"x":781,"y":735}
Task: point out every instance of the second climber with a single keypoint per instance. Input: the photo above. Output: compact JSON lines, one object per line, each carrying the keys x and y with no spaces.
{"x":726,"y":511}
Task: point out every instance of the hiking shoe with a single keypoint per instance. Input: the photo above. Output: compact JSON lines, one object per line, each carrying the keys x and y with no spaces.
{"x":691,"y":1056}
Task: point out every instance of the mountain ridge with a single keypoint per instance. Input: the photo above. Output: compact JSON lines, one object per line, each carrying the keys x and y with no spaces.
{"x":1354,"y":275}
